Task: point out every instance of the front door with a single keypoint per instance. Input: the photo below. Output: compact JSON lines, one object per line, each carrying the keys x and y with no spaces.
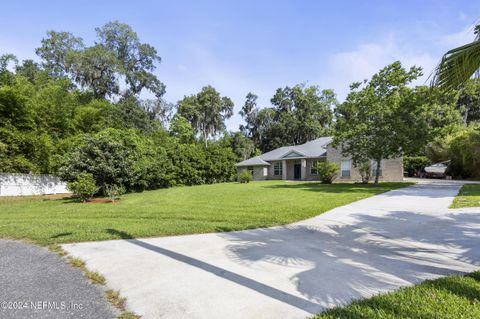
{"x":297,"y":171}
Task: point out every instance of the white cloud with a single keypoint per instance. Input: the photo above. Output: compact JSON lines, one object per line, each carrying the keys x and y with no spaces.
{"x":366,"y":59}
{"x":458,"y":38}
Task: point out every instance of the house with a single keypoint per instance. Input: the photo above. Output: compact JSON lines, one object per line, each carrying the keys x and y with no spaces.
{"x":298,"y":162}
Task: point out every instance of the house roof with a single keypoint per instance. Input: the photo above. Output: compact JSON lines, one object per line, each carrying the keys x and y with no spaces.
{"x":311,"y":149}
{"x":254,"y":161}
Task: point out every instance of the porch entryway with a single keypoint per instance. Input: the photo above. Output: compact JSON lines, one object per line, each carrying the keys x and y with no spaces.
{"x":297,"y":171}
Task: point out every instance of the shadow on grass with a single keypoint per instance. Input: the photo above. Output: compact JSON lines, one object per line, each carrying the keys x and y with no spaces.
{"x":61,"y":235}
{"x":226,"y":229}
{"x":120,"y":234}
{"x":400,"y":188}
{"x":338,"y":187}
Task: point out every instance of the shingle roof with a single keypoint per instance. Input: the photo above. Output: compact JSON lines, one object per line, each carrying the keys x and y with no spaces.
{"x":254,"y":161}
{"x":312,"y":149}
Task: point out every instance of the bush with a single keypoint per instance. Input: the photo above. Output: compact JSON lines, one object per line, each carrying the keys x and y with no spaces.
{"x":327,"y":171}
{"x":365,"y":170}
{"x":106,"y":156}
{"x":114,"y":192}
{"x":84,"y":186}
{"x":412,"y":165}
{"x":245,"y":177}
{"x":464,"y":152}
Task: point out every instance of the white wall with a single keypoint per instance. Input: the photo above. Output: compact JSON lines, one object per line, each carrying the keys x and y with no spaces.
{"x":26,"y":184}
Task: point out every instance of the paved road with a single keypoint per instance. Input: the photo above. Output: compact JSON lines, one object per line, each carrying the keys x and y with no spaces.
{"x":374,"y":245}
{"x":41,"y":284}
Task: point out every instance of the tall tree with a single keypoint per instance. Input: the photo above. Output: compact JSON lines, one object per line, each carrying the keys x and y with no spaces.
{"x":206,"y":111}
{"x":248,"y":113}
{"x":58,"y":50}
{"x":95,"y":68}
{"x":118,"y":55}
{"x":299,"y":114}
{"x":382,"y":118}
{"x":136,"y":60}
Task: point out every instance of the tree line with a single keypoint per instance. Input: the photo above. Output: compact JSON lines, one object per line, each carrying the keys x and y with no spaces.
{"x":80,"y":110}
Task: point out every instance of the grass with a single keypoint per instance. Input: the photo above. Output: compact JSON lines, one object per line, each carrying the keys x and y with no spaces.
{"x":128,"y":315}
{"x":93,"y":276}
{"x":175,"y":211}
{"x":113,"y":296}
{"x":451,"y":297}
{"x":469,"y":196}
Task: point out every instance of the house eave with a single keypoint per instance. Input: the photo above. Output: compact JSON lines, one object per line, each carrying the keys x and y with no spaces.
{"x":246,"y":165}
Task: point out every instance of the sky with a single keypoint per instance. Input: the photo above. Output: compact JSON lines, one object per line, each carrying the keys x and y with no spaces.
{"x":258,"y":46}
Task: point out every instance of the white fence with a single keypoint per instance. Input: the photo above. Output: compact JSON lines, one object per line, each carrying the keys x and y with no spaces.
{"x":26,"y":184}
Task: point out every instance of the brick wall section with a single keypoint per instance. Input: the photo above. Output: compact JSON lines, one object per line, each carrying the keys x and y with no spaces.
{"x":309,"y":176}
{"x":392,"y":170}
{"x":260,"y":173}
{"x":271,"y":173}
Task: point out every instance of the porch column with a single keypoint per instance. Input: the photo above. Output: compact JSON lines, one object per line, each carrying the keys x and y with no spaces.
{"x":303,"y":174}
{"x":284,"y":169}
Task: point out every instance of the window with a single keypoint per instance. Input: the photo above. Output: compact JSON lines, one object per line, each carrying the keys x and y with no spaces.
{"x":277,"y":169}
{"x":345,"y":167}
{"x":374,"y":168}
{"x":250,"y":169}
{"x":313,"y":168}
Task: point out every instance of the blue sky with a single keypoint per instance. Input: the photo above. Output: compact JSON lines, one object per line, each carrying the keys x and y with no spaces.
{"x":258,"y":46}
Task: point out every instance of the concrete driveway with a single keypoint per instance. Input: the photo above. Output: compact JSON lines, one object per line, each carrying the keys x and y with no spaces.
{"x":371,"y":246}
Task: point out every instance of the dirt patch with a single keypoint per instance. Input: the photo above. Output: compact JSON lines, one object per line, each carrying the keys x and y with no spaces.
{"x":100,"y":200}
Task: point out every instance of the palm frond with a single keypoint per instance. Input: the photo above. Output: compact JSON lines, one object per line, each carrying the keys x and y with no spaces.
{"x":457,"y":66}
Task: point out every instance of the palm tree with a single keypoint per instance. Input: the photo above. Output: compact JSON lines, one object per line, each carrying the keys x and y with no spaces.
{"x":458,"y":65}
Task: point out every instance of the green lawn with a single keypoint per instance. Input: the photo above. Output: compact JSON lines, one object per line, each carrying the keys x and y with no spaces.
{"x":452,"y":297}
{"x":174,"y":211}
{"x":469,"y":196}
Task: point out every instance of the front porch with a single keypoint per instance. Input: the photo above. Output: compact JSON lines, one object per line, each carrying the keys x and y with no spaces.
{"x":300,"y":169}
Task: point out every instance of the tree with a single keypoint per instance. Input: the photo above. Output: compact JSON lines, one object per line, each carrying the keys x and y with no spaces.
{"x":464,"y":152}
{"x":372,"y":123}
{"x":158,"y":109}
{"x":95,"y":68}
{"x":29,"y":69}
{"x":129,"y":113}
{"x":57,"y":52}
{"x":299,"y":114}
{"x":248,"y":113}
{"x":5,"y":60}
{"x":243,"y":147}
{"x":117,"y":55}
{"x":304,"y":112}
{"x":136,"y":60}
{"x":458,"y":65}
{"x":469,"y":101}
{"x":181,"y":128}
{"x":6,"y":76}
{"x":206,"y":111}
{"x":14,"y":109}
